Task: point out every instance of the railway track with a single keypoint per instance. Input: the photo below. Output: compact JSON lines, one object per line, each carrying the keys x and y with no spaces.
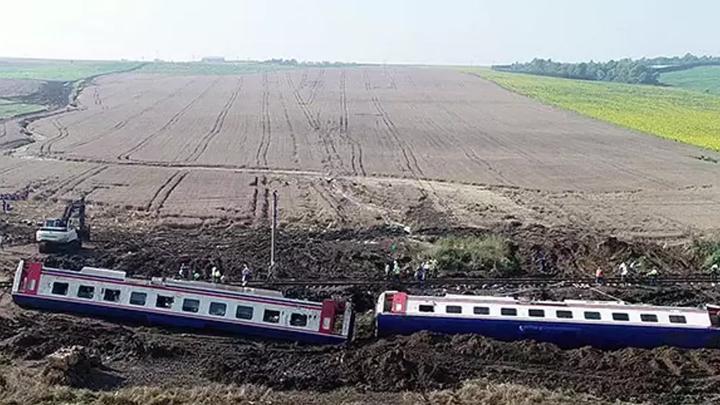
{"x":468,"y":282}
{"x":483,"y":282}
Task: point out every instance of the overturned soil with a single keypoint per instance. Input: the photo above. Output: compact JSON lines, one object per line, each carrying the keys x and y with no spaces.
{"x":134,"y":356}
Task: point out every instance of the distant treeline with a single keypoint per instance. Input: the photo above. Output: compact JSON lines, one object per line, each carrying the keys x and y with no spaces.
{"x":642,"y":71}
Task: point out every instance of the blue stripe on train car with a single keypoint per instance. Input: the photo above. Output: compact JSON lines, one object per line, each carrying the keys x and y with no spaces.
{"x":565,"y":335}
{"x":173,"y":320}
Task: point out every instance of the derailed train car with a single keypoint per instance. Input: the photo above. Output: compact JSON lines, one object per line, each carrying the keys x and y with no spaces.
{"x":182,"y":304}
{"x":568,"y":324}
{"x":267,"y":314}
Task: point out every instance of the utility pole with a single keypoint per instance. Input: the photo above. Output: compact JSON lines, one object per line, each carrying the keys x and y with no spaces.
{"x":273,"y":227}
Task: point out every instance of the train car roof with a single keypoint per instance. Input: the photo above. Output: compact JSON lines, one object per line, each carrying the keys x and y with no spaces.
{"x":565,"y":303}
{"x":119,"y":275}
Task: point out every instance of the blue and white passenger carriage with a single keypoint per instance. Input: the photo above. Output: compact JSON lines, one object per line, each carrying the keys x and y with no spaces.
{"x":184,"y":304}
{"x":569,"y":323}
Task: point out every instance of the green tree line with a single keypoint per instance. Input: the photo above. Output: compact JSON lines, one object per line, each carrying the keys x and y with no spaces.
{"x":638,"y":71}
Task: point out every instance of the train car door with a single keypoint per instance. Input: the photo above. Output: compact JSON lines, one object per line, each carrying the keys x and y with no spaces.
{"x":30,"y":280}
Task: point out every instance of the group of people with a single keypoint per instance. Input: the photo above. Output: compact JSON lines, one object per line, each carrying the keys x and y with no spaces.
{"x":422,"y":271}
{"x":635,"y":269}
{"x":215,"y":275}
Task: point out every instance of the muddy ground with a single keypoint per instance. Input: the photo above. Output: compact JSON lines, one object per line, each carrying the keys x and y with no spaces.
{"x":140,"y":356}
{"x":137,"y":356}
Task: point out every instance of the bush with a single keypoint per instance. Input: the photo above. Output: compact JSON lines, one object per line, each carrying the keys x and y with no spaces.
{"x":708,"y":250}
{"x":471,"y":254}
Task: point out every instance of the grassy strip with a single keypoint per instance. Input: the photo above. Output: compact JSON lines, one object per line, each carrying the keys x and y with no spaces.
{"x":677,"y":114}
{"x":59,"y":70}
{"x":8,"y":109}
{"x":705,"y":79}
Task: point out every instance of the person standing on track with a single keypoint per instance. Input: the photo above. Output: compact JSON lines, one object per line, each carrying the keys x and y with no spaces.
{"x":246,"y":274}
{"x":623,"y":271}
{"x":653,"y":275}
{"x":396,"y":270}
{"x":599,"y":276}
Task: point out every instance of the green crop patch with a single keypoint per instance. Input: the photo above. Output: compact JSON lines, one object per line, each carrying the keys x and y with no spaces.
{"x":704,"y":79}
{"x":59,"y":70}
{"x":672,"y":113}
{"x":9,"y":108}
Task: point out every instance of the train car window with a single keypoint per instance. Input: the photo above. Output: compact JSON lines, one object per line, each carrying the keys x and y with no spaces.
{"x":164,"y":301}
{"x":595,"y":316}
{"x":677,"y":319}
{"x":508,"y":311}
{"x":481,"y":310}
{"x":271,"y":316}
{"x":86,"y":291}
{"x":426,"y":308}
{"x":111,"y":295}
{"x":60,"y":288}
{"x":217,"y":308}
{"x":564,"y":314}
{"x":648,"y":317}
{"x":137,"y":298}
{"x":298,"y":320}
{"x":243,"y":312}
{"x":191,"y":305}
{"x":536,"y":313}
{"x":620,"y":316}
{"x":453,"y":309}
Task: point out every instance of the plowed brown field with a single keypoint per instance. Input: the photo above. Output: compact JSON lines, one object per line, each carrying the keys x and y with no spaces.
{"x":360,"y":145}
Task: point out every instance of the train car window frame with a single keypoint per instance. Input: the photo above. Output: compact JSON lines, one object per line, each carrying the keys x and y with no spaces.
{"x":592,"y":315}
{"x":86,"y":292}
{"x":426,"y":308}
{"x":194,"y":308}
{"x":244,"y":312}
{"x":63,"y":290}
{"x":453,"y":309}
{"x":508,"y":311}
{"x":563,"y":314}
{"x":620,"y":316}
{"x":677,"y":319}
{"x":648,"y":317}
{"x":298,"y":320}
{"x":481,"y":310}
{"x":536,"y":313}
{"x":164,"y":301}
{"x":134,"y":295}
{"x":217,"y":308}
{"x":271,"y":316}
{"x":111,"y":295}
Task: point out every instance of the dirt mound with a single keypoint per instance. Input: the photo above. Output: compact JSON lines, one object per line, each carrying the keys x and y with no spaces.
{"x":33,"y":338}
{"x":71,"y":366}
{"x":146,"y":356}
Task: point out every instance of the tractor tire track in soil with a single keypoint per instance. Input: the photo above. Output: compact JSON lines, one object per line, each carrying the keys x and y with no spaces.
{"x":326,"y":195}
{"x":291,"y":131}
{"x":120,"y":124}
{"x":69,"y":184}
{"x":265,"y":124}
{"x":217,"y":125}
{"x":317,"y":127}
{"x":163,"y":192}
{"x":410,"y":160}
{"x":356,"y":152}
{"x":46,"y":147}
{"x":172,"y":121}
